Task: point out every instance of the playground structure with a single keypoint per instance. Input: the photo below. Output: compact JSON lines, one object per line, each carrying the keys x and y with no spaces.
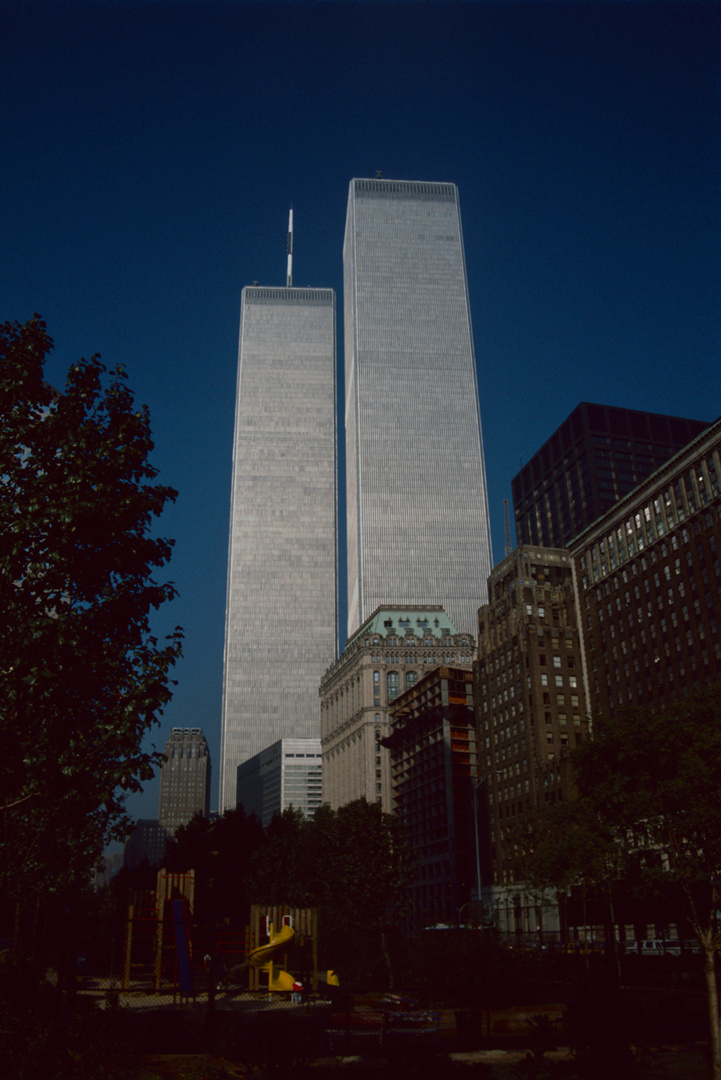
{"x":273,"y":930}
{"x":158,"y":948}
{"x":262,"y":958}
{"x":157,"y":936}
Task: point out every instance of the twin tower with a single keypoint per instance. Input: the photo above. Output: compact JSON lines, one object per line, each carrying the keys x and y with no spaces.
{"x":417,"y":528}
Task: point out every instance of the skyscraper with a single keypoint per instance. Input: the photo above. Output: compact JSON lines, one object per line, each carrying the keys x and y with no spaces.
{"x":530,"y":713}
{"x":280,"y":624}
{"x":184,"y":779}
{"x":597,"y":455}
{"x":287,"y":774}
{"x":418,"y":530}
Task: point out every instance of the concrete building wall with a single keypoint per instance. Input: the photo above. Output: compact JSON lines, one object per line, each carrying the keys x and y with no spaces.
{"x":286,"y":774}
{"x":393,"y":649}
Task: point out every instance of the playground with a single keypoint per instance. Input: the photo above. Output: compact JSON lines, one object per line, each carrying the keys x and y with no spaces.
{"x":181,"y":997}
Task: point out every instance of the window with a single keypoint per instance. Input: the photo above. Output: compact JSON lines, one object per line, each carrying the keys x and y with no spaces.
{"x":411,"y":677}
{"x":392,"y":681}
{"x":559,"y":680}
{"x":557,"y":661}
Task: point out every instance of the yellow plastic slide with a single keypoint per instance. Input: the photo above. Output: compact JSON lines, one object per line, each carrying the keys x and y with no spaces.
{"x":262,"y":958}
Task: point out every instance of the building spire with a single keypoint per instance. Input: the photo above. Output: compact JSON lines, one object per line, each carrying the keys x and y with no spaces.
{"x":289,"y":248}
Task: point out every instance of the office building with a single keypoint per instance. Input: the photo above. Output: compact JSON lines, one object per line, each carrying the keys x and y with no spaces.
{"x":184,"y":779}
{"x":531,"y":711}
{"x":281,"y":611}
{"x":597,"y":455}
{"x":434,"y":764}
{"x":417,"y":512}
{"x":648,"y":582}
{"x":146,"y":841}
{"x":287,"y":774}
{"x":390,"y":652}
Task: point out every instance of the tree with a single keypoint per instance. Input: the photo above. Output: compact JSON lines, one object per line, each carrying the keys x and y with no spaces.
{"x":353,"y":864}
{"x":220,"y":852}
{"x":82,"y":679}
{"x":649,"y":801}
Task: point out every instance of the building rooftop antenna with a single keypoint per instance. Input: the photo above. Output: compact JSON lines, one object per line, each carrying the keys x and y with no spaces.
{"x":289,"y":248}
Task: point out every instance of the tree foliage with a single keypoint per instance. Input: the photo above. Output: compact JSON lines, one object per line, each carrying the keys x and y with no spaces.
{"x":655,"y":778}
{"x":220,"y":852}
{"x":648,"y":809}
{"x":353,"y":864}
{"x":82,"y":679}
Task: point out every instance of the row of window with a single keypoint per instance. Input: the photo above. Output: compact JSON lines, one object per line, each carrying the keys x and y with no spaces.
{"x":558,"y":680}
{"x":682,"y":498}
{"x":392,"y":684}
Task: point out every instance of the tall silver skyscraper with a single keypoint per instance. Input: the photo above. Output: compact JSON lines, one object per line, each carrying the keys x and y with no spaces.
{"x":418,"y":528}
{"x":281,"y":608}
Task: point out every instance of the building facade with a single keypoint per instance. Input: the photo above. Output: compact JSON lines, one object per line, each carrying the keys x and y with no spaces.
{"x":597,"y":455}
{"x":146,"y":841}
{"x":417,"y":509}
{"x":184,"y":779}
{"x":434,"y":764}
{"x":281,"y":607}
{"x":648,"y":581}
{"x":531,"y":711}
{"x":287,"y":774}
{"x":390,"y":652}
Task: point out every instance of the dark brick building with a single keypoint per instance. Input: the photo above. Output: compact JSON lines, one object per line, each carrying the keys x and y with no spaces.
{"x":433,"y":768}
{"x":531,"y":711}
{"x":648,"y":580}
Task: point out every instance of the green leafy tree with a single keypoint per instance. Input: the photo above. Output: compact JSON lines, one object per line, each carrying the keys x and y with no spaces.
{"x":220,"y":852}
{"x":649,"y":806}
{"x":353,"y":864}
{"x":82,"y":679}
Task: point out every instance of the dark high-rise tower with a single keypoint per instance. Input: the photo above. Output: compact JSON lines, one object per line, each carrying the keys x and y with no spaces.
{"x":595,"y":457}
{"x":184,"y":779}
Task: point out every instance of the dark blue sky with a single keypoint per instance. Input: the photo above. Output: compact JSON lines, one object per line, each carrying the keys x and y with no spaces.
{"x":151,"y":152}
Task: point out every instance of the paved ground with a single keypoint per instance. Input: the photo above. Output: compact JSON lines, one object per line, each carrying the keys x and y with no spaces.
{"x":669,"y":1063}
{"x":687,"y":1062}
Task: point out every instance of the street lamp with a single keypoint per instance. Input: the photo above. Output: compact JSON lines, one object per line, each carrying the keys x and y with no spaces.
{"x":479,"y":887}
{"x":476,"y":784}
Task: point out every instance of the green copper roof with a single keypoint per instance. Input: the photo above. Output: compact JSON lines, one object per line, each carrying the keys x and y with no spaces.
{"x":395,"y":621}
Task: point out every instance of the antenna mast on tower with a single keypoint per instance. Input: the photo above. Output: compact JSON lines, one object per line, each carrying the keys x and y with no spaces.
{"x":289,"y":248}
